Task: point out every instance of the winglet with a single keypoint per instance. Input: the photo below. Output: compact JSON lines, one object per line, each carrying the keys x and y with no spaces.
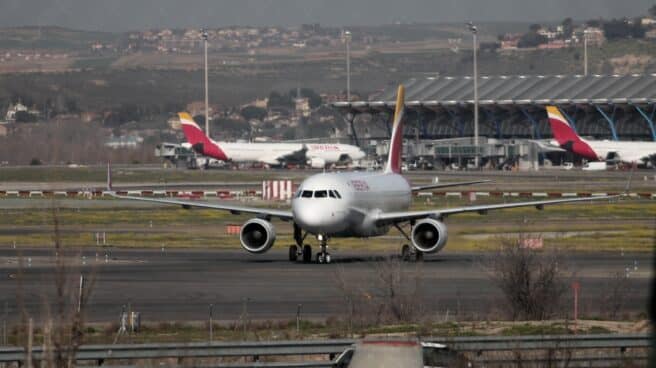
{"x":109,"y":177}
{"x":396,"y":141}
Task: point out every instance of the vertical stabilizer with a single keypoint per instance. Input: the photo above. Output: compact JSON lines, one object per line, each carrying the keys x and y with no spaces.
{"x":396,"y":142}
{"x":566,"y":136}
{"x":200,"y":142}
{"x":562,"y":131}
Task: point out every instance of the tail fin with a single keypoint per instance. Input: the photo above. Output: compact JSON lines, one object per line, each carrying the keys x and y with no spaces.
{"x":396,"y":142}
{"x":200,"y":142}
{"x":562,"y":131}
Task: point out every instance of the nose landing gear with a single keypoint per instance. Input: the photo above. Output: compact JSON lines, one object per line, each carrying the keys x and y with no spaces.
{"x":304,"y":252}
{"x":323,"y":256}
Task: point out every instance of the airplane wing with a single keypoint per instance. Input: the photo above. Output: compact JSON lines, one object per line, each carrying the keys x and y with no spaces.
{"x":235,"y":210}
{"x":298,"y":156}
{"x":397,"y":217}
{"x":446,"y":185}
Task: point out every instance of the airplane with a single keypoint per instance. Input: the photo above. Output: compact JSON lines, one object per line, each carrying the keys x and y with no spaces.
{"x":316,"y":155}
{"x":626,"y":151}
{"x":355,"y":204}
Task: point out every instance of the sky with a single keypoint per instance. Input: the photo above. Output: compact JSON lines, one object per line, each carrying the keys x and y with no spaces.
{"x":125,"y":15}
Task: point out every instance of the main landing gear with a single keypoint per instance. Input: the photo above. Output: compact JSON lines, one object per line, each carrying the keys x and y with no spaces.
{"x":408,"y":252}
{"x":304,"y":251}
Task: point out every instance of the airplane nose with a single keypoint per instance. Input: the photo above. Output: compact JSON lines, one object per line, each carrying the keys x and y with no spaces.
{"x":319,"y":218}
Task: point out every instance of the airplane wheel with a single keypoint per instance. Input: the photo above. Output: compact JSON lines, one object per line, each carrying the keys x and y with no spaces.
{"x":307,"y":254}
{"x":293,"y":253}
{"x":327,"y":258}
{"x":419,"y":257}
{"x":405,"y":253}
{"x":319,"y":258}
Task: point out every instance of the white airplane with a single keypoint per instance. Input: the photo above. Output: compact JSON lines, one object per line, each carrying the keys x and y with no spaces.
{"x":316,"y":155}
{"x":627,"y":151}
{"x":356,"y":204}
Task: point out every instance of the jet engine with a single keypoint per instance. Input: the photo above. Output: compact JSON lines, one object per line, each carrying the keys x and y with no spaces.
{"x":429,"y":235}
{"x":257,"y":235}
{"x":317,"y":163}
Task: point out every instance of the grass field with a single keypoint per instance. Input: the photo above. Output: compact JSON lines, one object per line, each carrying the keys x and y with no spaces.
{"x":626,"y":225}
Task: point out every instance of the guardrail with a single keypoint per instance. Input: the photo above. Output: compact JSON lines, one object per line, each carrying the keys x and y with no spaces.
{"x":590,"y":350}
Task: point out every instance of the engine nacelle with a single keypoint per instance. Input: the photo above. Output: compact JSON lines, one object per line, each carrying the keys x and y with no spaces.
{"x":429,"y":235}
{"x":317,"y":163}
{"x":257,"y":235}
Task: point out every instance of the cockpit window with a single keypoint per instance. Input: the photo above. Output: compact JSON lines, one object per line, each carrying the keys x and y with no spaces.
{"x":321,"y":194}
{"x":331,"y":193}
{"x":306,"y":194}
{"x":337,"y":194}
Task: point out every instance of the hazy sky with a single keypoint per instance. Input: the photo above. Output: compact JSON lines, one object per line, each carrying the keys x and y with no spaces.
{"x":121,"y":15}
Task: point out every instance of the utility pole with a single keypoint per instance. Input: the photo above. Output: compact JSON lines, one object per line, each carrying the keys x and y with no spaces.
{"x":207,"y":106}
{"x":347,"y":40}
{"x":474,"y":30}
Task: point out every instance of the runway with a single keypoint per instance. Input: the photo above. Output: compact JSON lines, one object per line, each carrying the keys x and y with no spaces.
{"x":169,"y":285}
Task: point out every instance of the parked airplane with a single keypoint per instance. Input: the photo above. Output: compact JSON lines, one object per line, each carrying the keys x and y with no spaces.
{"x":315,"y":155}
{"x":356,"y":204}
{"x":628,"y":152}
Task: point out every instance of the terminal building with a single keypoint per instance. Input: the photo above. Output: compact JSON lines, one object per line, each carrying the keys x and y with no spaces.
{"x":511,"y":110}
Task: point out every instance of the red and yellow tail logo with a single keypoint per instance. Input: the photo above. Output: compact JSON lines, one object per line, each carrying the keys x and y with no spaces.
{"x":200,"y":142}
{"x":396,"y":142}
{"x":560,"y":128}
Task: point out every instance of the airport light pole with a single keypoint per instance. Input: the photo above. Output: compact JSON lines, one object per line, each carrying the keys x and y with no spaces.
{"x":585,"y":52}
{"x":474,"y":30}
{"x":207,"y":107}
{"x":347,"y":40}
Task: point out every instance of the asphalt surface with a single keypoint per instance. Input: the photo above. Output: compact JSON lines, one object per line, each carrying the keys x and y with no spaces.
{"x":169,"y":285}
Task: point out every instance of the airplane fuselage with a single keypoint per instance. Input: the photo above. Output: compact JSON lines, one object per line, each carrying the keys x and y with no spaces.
{"x":270,"y":152}
{"x":626,"y":151}
{"x":351,"y":210}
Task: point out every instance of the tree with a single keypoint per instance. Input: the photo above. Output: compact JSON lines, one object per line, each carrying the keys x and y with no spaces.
{"x":533,"y":283}
{"x":568,"y":27}
{"x":253,"y":112}
{"x":25,"y":117}
{"x":534,"y":28}
{"x":619,"y":29}
{"x":71,"y":106}
{"x":593,"y":23}
{"x":313,"y":98}
{"x":652,"y":10}
{"x":531,"y":40}
{"x":278,"y":100}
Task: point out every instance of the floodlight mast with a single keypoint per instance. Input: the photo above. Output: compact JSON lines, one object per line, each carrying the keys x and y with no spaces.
{"x":474,"y":30}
